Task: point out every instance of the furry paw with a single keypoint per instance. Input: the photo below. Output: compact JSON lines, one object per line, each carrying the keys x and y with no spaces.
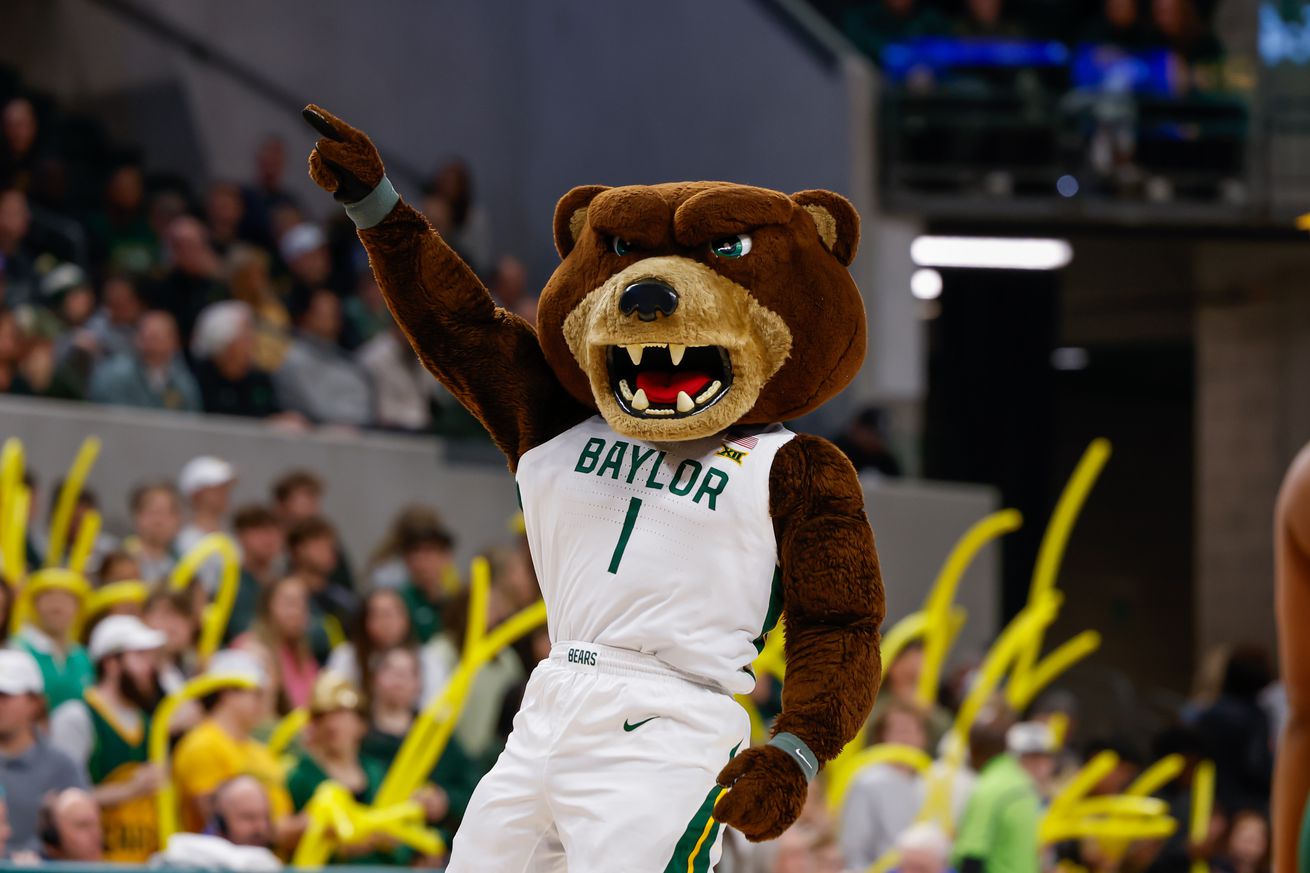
{"x":766,"y":793}
{"x":344,"y":161}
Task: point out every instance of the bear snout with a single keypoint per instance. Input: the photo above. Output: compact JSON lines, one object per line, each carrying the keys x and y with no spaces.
{"x":649,"y":299}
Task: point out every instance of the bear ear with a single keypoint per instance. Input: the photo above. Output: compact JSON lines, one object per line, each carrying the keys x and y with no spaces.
{"x":836,"y":219}
{"x":571,"y":216}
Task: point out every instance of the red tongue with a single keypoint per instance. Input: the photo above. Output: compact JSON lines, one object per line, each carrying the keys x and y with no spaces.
{"x":664,"y":387}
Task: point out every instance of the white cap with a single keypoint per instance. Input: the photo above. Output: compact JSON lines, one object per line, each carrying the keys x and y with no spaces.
{"x":19,"y":673}
{"x":926,"y":837}
{"x":203,"y":472}
{"x":122,"y":633}
{"x":1030,"y":738}
{"x":236,"y":664}
{"x":300,"y":240}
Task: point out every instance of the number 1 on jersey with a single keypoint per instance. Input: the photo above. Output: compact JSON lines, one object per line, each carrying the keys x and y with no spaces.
{"x":629,"y":521}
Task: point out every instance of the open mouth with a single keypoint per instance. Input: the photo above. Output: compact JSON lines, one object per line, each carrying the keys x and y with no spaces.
{"x":667,"y":380}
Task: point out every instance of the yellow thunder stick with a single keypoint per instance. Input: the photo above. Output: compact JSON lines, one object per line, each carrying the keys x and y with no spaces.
{"x":217,"y":614}
{"x":11,"y":479}
{"x":431,"y":731}
{"x":157,"y":750}
{"x":336,"y":818}
{"x":13,"y":538}
{"x":87,"y":531}
{"x":67,"y":500}
{"x":1202,"y":807}
{"x":286,"y":730}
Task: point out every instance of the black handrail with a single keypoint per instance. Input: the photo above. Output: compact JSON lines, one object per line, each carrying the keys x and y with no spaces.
{"x":235,"y":69}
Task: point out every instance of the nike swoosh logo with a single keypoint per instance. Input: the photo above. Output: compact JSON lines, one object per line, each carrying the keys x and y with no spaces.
{"x":632,"y":727}
{"x":804,"y":760}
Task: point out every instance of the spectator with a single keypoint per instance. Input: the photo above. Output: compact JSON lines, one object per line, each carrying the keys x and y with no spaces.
{"x":902,"y":684}
{"x":267,"y":194}
{"x":366,"y":312}
{"x":19,"y":857}
{"x":19,"y":155}
{"x":313,"y":555}
{"x":987,"y":19}
{"x":69,"y":824}
{"x":470,"y":230}
{"x":154,"y":377}
{"x":17,"y":266}
{"x":117,"y":566}
{"x":239,"y":837}
{"x":221,"y":747}
{"x":107,"y":732}
{"x":386,"y":564}
{"x":874,"y":26}
{"x":156,"y":521}
{"x":121,"y":236}
{"x":29,"y":766}
{"x":13,"y":348}
{"x":381,"y":624}
{"x":224,"y":211}
{"x":56,"y":597}
{"x":223,"y":348}
{"x":172,"y":612}
{"x":1234,"y":731}
{"x":509,"y":287}
{"x":249,"y":278}
{"x":206,"y":482}
{"x":70,"y":300}
{"x":298,"y":495}
{"x":114,"y":323}
{"x":429,"y":553}
{"x":1119,"y":25}
{"x":304,"y":250}
{"x":865,"y":443}
{"x":192,"y":282}
{"x":318,"y":379}
{"x":924,"y":849}
{"x":282,"y":625}
{"x":884,"y":800}
{"x":263,"y":546}
{"x":402,"y":386}
{"x":1247,"y":848}
{"x":1178,"y":26}
{"x":999,"y":828}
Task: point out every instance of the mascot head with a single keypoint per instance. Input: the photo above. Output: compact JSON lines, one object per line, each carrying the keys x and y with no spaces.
{"x":682,"y":309}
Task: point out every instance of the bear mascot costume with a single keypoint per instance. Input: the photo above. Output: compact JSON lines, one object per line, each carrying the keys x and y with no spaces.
{"x":671,"y":517}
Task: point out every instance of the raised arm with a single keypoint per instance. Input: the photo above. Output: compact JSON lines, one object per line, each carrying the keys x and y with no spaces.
{"x":833,"y":606}
{"x":487,"y":357}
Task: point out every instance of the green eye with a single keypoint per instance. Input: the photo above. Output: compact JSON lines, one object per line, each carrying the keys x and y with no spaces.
{"x":622,"y":246}
{"x":732,"y":246}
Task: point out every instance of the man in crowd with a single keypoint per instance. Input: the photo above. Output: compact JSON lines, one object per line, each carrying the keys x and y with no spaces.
{"x":153,"y":376}
{"x":222,"y":746}
{"x":30,"y":767}
{"x":239,"y":834}
{"x":70,"y":827}
{"x":193,"y":283}
{"x":298,"y":495}
{"x":313,"y":556}
{"x":317,"y":378}
{"x":428,"y":553}
{"x":262,"y":543}
{"x":107,"y":732}
{"x":17,"y":269}
{"x":998,"y":832}
{"x":206,"y":484}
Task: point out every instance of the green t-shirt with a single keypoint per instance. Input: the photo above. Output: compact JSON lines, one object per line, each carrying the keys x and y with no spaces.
{"x":307,"y":775}
{"x":65,"y":679}
{"x":424,"y":614}
{"x":1000,"y":821}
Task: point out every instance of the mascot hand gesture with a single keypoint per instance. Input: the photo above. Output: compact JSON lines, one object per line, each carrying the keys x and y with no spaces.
{"x":672,"y":518}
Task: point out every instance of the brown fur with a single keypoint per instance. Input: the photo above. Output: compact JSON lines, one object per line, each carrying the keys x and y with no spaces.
{"x":795,"y":323}
{"x":833,"y":605}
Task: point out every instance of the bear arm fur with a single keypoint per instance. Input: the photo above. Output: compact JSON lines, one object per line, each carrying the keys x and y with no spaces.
{"x":833,"y":601}
{"x":487,"y":357}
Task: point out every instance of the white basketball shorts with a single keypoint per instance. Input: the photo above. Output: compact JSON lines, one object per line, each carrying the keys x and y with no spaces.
{"x":610,"y":768}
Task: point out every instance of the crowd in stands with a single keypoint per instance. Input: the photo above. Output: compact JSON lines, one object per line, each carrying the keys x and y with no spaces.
{"x":124,"y":287}
{"x":362,"y":646}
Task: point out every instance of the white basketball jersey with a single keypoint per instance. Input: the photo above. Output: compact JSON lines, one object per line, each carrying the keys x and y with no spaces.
{"x":666,"y":548}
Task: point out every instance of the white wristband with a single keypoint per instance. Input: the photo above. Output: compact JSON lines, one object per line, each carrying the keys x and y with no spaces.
{"x":376,"y":206}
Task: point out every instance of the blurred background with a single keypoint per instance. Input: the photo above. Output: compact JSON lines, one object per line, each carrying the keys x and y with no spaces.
{"x":1079,"y":222}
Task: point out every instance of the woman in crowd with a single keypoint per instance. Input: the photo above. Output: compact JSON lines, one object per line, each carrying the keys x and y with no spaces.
{"x":282,"y":626}
{"x":394,"y":706}
{"x":171,"y":611}
{"x":381,"y":624}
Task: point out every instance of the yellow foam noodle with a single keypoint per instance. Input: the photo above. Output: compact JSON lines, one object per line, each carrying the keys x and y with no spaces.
{"x":1202,"y":808}
{"x":157,"y":748}
{"x":85,"y":541}
{"x":11,"y":474}
{"x":336,"y":818}
{"x":13,"y":538}
{"x":1021,"y":695}
{"x":67,"y":500}
{"x":1155,"y":777}
{"x":214,"y":622}
{"x":286,"y":730}
{"x":938,"y":636}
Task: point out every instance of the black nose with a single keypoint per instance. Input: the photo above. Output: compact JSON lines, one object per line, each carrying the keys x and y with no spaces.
{"x":647,"y":299}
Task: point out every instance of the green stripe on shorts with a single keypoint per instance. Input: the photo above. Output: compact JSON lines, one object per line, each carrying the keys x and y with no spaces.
{"x":692,"y":854}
